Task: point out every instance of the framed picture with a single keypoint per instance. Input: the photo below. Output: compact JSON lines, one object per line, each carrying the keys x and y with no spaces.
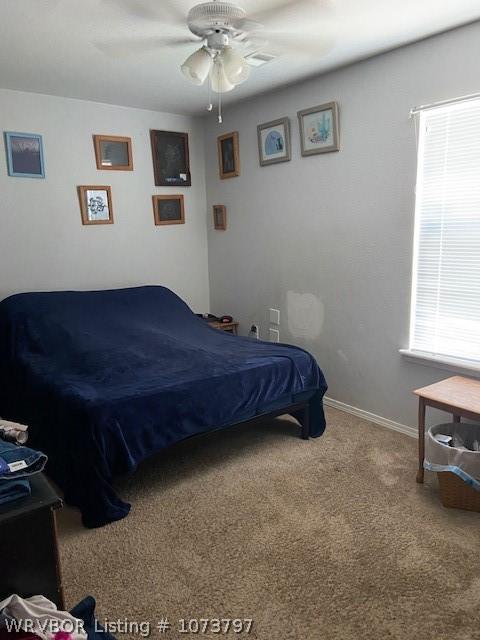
{"x":24,"y":155}
{"x":96,"y":204}
{"x":113,"y":153}
{"x":228,"y":155}
{"x":274,"y":141}
{"x":171,"y":163}
{"x":319,"y":129}
{"x":168,"y":209}
{"x":220,"y":217}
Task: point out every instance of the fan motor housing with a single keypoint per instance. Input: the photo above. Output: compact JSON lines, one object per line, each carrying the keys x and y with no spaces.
{"x":207,"y":17}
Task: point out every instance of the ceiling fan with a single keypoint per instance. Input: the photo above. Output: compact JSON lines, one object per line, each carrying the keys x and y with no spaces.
{"x":227,"y":35}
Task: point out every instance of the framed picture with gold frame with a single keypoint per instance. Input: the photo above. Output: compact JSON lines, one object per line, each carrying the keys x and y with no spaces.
{"x":219,"y":217}
{"x":113,"y":153}
{"x":228,"y":155}
{"x":95,"y":204}
{"x":168,"y":209}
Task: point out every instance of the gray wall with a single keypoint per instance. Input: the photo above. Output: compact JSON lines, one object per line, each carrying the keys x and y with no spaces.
{"x":328,"y":239}
{"x":43,"y":244}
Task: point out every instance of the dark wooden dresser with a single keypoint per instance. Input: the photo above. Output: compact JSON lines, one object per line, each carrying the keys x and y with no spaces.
{"x":29,"y":546}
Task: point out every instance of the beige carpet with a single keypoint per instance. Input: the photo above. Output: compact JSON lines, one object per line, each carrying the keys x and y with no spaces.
{"x":329,"y":539}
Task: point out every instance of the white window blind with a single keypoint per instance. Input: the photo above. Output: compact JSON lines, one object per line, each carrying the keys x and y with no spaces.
{"x":445,"y":311}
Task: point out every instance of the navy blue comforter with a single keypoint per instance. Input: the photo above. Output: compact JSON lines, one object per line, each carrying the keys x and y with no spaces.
{"x":107,"y":378}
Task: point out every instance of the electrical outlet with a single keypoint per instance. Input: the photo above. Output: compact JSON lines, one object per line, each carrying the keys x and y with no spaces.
{"x":254,"y":331}
{"x":274,"y":316}
{"x":274,"y":335}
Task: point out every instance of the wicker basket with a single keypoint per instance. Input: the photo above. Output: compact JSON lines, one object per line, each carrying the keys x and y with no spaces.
{"x":457,"y":494}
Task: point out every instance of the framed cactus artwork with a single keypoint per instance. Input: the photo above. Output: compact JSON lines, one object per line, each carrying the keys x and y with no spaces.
{"x":319,"y":129}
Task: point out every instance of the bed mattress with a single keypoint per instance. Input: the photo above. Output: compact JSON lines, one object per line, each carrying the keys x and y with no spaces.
{"x":107,"y":378}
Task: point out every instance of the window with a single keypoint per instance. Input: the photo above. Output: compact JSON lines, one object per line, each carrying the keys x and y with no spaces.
{"x":445,"y":311}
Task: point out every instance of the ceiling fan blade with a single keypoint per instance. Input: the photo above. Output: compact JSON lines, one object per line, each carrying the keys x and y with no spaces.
{"x":303,"y":43}
{"x":282,"y":9}
{"x":50,"y":7}
{"x":247,"y":25}
{"x":133,"y":46}
{"x":165,"y":11}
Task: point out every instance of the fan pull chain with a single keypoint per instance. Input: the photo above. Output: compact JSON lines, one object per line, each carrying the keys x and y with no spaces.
{"x":209,"y":105}
{"x":219,"y":117}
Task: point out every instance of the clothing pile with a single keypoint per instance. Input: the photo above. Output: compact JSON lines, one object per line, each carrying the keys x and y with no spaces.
{"x":37,"y":618}
{"x":17,"y":462}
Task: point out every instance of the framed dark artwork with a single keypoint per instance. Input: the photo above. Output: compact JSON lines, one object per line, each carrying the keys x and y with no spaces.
{"x":168,"y":209}
{"x":220,"y":217}
{"x":319,"y":129}
{"x":171,"y":162}
{"x":95,"y":204}
{"x":24,"y":155}
{"x":274,"y":141}
{"x":113,"y":153}
{"x":228,"y":155}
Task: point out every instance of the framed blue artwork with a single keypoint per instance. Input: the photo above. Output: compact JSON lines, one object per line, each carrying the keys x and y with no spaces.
{"x":24,"y":155}
{"x":274,"y":141}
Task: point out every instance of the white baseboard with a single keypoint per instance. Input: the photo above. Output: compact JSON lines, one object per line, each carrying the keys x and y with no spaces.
{"x":371,"y":417}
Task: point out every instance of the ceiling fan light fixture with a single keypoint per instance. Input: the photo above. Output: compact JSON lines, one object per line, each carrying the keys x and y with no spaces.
{"x":243,"y":74}
{"x":234,"y":66}
{"x":220,"y":81}
{"x":197,"y":66}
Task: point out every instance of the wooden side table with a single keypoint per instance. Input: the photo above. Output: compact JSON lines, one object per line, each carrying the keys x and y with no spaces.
{"x":29,"y":558}
{"x":458,"y":396}
{"x":229,"y":327}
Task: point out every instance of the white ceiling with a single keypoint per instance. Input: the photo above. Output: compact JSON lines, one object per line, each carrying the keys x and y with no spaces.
{"x":48,"y":46}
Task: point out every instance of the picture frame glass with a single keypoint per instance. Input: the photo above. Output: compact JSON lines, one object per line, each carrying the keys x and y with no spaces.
{"x":170,"y":158}
{"x":227,"y":147}
{"x":318,"y":129}
{"x":114,"y":153}
{"x":169,"y":210}
{"x":97,"y":205}
{"x":25,"y":155}
{"x":273,"y":142}
{"x":219,"y":218}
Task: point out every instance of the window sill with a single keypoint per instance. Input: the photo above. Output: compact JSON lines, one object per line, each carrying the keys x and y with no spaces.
{"x":457,"y":365}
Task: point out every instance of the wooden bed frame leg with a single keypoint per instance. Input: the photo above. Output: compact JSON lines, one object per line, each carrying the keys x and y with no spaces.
{"x":306,"y":423}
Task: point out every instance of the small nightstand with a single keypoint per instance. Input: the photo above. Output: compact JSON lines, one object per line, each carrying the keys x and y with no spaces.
{"x":457,"y":395}
{"x":229,"y":327}
{"x":29,"y":547}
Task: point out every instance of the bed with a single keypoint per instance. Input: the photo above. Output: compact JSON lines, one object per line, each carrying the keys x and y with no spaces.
{"x":105,"y":379}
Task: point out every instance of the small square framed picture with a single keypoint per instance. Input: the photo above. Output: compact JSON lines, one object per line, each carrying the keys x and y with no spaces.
{"x":24,"y":155}
{"x":228,"y":155}
{"x":220,"y":217}
{"x":113,"y":153}
{"x":274,"y":142}
{"x":168,"y":209}
{"x":95,"y":204}
{"x":319,"y":129}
